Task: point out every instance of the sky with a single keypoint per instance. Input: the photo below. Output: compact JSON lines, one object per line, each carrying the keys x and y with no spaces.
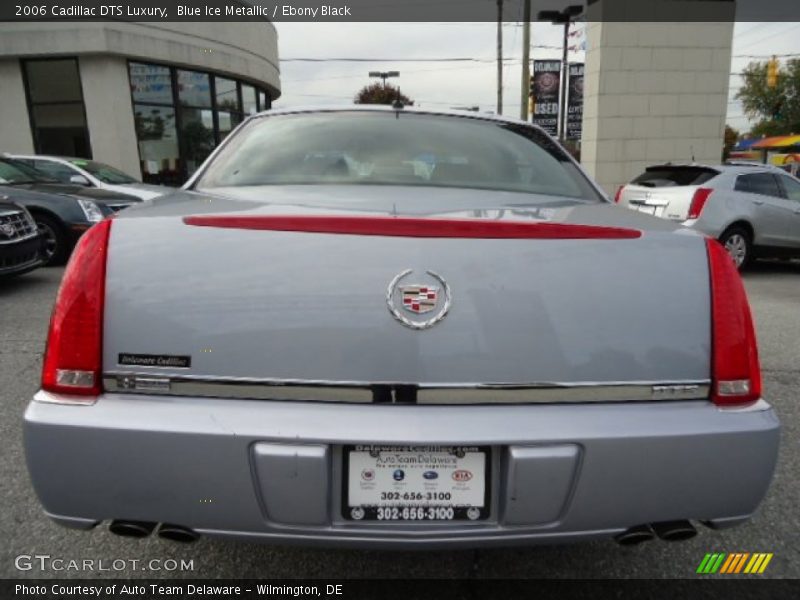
{"x":459,"y":84}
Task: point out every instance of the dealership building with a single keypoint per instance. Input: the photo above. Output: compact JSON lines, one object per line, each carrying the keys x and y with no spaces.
{"x":152,"y":99}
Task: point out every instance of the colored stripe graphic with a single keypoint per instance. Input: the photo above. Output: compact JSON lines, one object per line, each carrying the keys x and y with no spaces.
{"x":731,"y":559}
{"x":704,"y":564}
{"x":711,"y":563}
{"x":740,"y":563}
{"x":734,"y":563}
{"x":767,"y":558}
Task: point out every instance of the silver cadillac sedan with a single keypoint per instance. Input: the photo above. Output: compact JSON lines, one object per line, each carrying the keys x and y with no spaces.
{"x":390,"y":327}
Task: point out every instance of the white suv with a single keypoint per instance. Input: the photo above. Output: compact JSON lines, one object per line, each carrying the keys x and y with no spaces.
{"x":754,"y":210}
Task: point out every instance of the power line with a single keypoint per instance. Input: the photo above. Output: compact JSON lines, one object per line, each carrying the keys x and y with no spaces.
{"x":405,"y":60}
{"x":758,"y":41}
{"x":360,"y":75}
{"x":787,"y":55}
{"x":358,"y":59}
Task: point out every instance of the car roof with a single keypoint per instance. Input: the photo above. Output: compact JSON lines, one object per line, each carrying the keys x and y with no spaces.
{"x":68,"y":159}
{"x":736,"y":168}
{"x":485,"y":116}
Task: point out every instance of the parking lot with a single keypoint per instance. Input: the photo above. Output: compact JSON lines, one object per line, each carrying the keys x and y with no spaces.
{"x":25,"y":304}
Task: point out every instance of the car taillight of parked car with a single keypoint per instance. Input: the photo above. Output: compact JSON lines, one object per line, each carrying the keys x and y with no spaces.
{"x":698,"y":202}
{"x":74,"y":352}
{"x":736,"y":373}
{"x":618,"y":195}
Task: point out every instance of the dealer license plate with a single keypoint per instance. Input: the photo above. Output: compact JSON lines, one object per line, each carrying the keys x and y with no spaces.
{"x":416,"y":483}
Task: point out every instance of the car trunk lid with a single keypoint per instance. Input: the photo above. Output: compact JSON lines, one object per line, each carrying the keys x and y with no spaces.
{"x":261,"y":304}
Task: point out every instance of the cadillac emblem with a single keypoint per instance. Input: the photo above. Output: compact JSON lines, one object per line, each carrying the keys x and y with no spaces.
{"x":406,"y":301}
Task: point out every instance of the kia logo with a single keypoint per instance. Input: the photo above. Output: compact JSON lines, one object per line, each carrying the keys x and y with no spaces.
{"x":462,"y":475}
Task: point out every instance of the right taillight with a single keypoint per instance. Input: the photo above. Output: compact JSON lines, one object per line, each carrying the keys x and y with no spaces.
{"x":698,"y":202}
{"x":736,"y":374}
{"x":618,"y":195}
{"x":74,"y":352}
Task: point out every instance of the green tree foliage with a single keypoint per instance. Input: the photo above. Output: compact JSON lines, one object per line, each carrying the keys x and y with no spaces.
{"x":777,"y":109}
{"x":378,"y":93}
{"x":731,"y":137}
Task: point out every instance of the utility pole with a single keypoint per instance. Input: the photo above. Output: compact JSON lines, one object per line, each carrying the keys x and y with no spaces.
{"x":562,"y":128}
{"x":499,"y":57}
{"x":526,"y":61}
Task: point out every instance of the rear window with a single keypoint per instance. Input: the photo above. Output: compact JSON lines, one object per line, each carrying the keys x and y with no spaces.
{"x":675,"y":176}
{"x":396,"y":148}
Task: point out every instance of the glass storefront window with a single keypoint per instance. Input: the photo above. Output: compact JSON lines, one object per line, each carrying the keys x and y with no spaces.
{"x":56,"y":107}
{"x":151,"y":83}
{"x":249,"y":100}
{"x":197,"y":136}
{"x":53,"y":81}
{"x":158,"y":144}
{"x":176,"y":134}
{"x":263,"y":103}
{"x":227,"y":96}
{"x":194,"y":89}
{"x":227,"y":121}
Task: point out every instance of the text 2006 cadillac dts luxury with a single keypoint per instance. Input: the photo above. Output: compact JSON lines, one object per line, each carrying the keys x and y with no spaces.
{"x":389,"y":327}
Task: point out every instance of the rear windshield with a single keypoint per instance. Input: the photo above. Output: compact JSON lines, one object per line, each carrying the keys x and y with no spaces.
{"x":674,"y":176}
{"x":397,"y":148}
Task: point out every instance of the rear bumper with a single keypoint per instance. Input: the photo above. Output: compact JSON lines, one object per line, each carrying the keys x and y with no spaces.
{"x":20,"y":257}
{"x":558,"y":473}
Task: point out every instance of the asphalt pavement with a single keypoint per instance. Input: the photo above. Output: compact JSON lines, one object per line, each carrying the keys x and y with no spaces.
{"x":25,"y":304}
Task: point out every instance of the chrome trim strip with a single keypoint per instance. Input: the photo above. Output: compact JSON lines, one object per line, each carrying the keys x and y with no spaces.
{"x":17,"y":240}
{"x":427,"y":393}
{"x":558,"y":394}
{"x":66,"y":399}
{"x":759,"y":406}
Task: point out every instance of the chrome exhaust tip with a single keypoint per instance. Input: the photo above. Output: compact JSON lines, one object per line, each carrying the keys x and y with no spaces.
{"x":635,"y":535}
{"x":674,"y":531}
{"x":176,"y":533}
{"x":133,"y":529}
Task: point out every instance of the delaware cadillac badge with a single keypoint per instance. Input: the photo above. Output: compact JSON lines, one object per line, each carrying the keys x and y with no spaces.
{"x":407,"y":301}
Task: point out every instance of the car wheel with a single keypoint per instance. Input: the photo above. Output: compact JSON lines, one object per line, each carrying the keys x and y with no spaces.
{"x":55,"y":242}
{"x":739,"y":244}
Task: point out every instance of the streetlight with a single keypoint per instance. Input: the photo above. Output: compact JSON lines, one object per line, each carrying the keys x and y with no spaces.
{"x":384,"y":75}
{"x":566,"y":17}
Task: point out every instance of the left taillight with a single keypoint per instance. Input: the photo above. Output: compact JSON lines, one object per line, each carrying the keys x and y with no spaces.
{"x":699,"y":199}
{"x":736,"y":373}
{"x":74,"y":352}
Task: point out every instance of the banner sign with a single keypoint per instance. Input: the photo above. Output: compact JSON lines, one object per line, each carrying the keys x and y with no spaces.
{"x":545,"y":85}
{"x":575,"y":102}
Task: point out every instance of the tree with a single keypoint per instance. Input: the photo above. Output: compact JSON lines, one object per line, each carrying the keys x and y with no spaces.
{"x":729,"y":141}
{"x":776,"y":108}
{"x":379,"y":93}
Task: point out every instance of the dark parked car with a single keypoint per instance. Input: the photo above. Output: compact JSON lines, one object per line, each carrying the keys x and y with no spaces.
{"x":20,"y":241}
{"x":62,"y":211}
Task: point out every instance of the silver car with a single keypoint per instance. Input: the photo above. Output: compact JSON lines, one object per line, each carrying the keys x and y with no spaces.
{"x":92,"y":174}
{"x":752,"y":209}
{"x":390,"y":327}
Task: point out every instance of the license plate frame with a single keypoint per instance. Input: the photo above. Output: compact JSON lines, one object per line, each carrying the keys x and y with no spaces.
{"x":419,"y":510}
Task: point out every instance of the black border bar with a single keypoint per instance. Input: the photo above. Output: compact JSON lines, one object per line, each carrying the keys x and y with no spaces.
{"x":343,"y":11}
